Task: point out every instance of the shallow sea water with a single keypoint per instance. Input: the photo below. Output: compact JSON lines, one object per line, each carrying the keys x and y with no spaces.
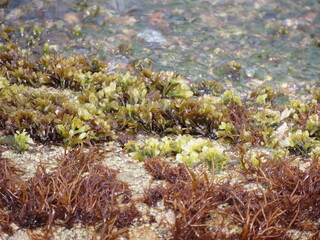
{"x":273,"y":42}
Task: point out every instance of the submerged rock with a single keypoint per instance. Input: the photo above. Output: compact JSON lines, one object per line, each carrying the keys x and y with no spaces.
{"x":152,"y":36}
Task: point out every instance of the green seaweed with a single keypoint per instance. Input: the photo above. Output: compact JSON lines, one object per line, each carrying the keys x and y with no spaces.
{"x":75,"y":99}
{"x":184,"y":148}
{"x":22,"y":141}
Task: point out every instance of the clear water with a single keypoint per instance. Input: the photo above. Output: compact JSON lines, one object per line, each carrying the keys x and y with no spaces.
{"x":274,"y":42}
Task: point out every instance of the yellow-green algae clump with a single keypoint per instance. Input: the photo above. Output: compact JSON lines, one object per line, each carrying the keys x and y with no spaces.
{"x":187,"y":149}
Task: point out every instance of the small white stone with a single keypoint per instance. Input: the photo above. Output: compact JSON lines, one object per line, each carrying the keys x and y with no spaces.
{"x":170,"y":217}
{"x":152,"y":36}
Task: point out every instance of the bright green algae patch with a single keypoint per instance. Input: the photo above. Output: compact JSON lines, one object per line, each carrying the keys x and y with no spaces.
{"x":187,"y":149}
{"x":75,"y":100}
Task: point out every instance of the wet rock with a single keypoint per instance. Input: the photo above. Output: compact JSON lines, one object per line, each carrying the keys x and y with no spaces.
{"x":157,"y":19}
{"x":142,"y":233}
{"x":152,"y":36}
{"x":2,"y":13}
{"x":12,"y":3}
{"x":14,"y":14}
{"x":250,"y":72}
{"x":71,"y":17}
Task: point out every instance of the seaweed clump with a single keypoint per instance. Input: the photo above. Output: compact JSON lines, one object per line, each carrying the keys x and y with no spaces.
{"x":186,"y":149}
{"x":49,"y":117}
{"x":75,"y":99}
{"x":79,"y":190}
{"x":9,"y":182}
{"x":34,"y":98}
{"x":284,"y":198}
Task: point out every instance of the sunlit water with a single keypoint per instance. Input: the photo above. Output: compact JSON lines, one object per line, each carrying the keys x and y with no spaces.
{"x":273,"y":42}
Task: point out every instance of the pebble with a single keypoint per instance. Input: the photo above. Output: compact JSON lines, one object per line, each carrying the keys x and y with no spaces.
{"x":71,"y":17}
{"x":152,"y":36}
{"x":250,"y":72}
{"x":170,"y":217}
{"x":14,"y":14}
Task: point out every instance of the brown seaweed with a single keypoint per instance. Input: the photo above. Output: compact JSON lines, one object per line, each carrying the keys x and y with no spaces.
{"x":79,"y":190}
{"x":285,"y":198}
